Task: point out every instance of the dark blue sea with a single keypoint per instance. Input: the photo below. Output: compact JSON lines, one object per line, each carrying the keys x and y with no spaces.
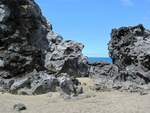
{"x":99,"y":59}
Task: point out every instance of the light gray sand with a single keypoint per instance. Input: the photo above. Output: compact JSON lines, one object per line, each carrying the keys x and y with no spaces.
{"x":97,"y":102}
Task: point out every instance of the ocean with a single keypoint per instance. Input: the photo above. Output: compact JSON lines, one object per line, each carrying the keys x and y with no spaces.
{"x":99,"y":59}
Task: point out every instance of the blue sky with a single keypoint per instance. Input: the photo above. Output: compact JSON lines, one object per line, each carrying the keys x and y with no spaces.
{"x":90,"y":21}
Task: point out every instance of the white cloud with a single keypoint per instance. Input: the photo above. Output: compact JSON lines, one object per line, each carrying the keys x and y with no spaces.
{"x":127,"y":2}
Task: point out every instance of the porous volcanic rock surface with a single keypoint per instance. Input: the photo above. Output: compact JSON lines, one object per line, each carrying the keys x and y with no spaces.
{"x":129,"y":49}
{"x":32,"y":56}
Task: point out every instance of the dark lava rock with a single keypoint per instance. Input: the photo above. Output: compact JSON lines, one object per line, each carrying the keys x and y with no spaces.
{"x":104,"y":74}
{"x":23,"y":40}
{"x":65,"y":57}
{"x":19,"y":107}
{"x":129,"y":49}
{"x":33,"y":59}
{"x":70,"y":86}
{"x":32,"y":84}
{"x":32,"y":56}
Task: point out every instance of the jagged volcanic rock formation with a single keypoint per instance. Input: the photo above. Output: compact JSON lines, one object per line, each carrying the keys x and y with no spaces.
{"x":65,"y":57}
{"x":104,"y":74}
{"x":129,"y":49}
{"x":32,"y":56}
{"x":21,"y":42}
{"x":35,"y":60}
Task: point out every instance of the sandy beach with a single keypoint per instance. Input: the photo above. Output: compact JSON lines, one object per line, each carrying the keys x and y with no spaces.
{"x":90,"y":102}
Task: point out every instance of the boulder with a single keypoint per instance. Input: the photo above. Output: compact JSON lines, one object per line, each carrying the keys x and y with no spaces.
{"x":69,"y":86}
{"x":43,"y":83}
{"x":104,"y":75}
{"x":33,"y":83}
{"x":36,"y":83}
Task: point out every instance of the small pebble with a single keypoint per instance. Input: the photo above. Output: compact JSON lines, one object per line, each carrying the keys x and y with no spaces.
{"x":19,"y":107}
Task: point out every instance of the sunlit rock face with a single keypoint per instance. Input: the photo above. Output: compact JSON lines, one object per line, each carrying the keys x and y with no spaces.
{"x":29,"y":47}
{"x":23,"y":40}
{"x":66,"y":57}
{"x":130,"y":51}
